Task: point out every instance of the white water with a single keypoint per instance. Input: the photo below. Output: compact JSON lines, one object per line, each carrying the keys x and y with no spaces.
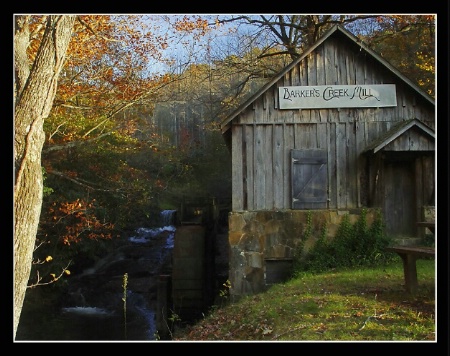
{"x":145,"y":235}
{"x":93,"y":311}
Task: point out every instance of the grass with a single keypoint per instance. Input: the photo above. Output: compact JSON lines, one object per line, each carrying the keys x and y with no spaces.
{"x":358,"y":304}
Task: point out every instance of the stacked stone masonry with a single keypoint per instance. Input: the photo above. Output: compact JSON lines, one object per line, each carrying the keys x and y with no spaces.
{"x":258,"y":236}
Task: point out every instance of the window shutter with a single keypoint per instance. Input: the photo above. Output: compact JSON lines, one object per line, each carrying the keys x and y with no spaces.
{"x":309,"y":179}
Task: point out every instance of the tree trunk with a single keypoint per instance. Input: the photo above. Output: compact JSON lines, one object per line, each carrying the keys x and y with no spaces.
{"x":34,"y":94}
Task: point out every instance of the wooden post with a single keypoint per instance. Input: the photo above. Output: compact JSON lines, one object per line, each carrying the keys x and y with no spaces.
{"x":409,"y":271}
{"x":162,"y":298}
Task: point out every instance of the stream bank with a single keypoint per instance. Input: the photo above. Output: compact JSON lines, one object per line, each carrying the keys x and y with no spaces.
{"x":92,"y":306}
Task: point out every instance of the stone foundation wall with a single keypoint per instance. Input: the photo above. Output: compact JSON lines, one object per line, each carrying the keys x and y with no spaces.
{"x":257,"y":236}
{"x":429,"y":213}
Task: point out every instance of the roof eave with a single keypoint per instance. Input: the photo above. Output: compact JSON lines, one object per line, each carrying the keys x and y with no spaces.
{"x":397,"y":132}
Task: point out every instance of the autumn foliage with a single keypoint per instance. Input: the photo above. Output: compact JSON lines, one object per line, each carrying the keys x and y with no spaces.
{"x":127,"y":131}
{"x":78,"y":221}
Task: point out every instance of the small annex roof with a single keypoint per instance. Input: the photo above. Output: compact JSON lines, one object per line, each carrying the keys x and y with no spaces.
{"x":396,"y":132}
{"x":225,"y":124}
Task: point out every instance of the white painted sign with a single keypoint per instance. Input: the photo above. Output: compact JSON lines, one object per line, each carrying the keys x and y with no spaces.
{"x":337,"y":96}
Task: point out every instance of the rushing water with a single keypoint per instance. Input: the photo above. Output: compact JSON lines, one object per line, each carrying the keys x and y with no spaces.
{"x":112,"y":316}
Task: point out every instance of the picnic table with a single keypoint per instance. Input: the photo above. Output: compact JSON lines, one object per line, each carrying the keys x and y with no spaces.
{"x":409,"y":255}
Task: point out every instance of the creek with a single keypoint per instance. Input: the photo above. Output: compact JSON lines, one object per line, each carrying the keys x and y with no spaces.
{"x":113,"y":300}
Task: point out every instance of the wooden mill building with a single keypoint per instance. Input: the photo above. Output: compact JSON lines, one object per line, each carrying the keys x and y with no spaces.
{"x":337,"y":130}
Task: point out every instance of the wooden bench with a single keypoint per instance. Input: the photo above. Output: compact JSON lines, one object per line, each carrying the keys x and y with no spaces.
{"x":409,"y":255}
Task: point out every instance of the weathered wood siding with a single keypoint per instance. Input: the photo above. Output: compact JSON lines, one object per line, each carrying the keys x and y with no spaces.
{"x":263,"y":135}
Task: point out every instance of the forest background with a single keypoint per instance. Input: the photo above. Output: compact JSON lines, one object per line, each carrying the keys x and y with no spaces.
{"x":128,"y":122}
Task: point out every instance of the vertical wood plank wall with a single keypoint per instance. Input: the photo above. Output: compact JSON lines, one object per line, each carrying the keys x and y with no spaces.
{"x":263,"y":135}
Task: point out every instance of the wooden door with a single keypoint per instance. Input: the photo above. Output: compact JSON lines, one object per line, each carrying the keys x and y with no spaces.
{"x":309,"y":179}
{"x":399,"y":198}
